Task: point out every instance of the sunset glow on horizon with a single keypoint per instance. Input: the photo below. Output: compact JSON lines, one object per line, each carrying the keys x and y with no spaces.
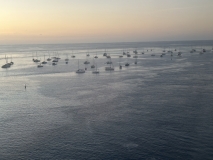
{"x":72,"y":21}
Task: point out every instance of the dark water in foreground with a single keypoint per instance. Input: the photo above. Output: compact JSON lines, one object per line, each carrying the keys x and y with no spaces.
{"x":157,"y":109}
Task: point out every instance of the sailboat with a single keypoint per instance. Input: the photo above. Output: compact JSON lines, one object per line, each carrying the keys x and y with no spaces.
{"x":88,"y":54}
{"x":55,"y":60}
{"x":109,"y":68}
{"x":96,"y":69}
{"x":33,"y":57}
{"x":73,"y":56}
{"x":36,"y":60}
{"x":96,"y":55}
{"x":128,"y":55}
{"x":93,"y":66}
{"x":124,"y":53}
{"x":40,"y":65}
{"x":179,"y":53}
{"x":80,"y":70}
{"x":108,"y":56}
{"x":86,"y":62}
{"x":136,"y":60}
{"x":105,"y":54}
{"x":7,"y":65}
{"x":120,"y":66}
{"x":127,"y":64}
{"x":11,"y":62}
{"x":66,"y":60}
{"x":135,"y":51}
{"x":44,"y":62}
{"x":49,"y":59}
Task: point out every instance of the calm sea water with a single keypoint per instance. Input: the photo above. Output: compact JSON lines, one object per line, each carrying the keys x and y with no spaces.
{"x":160,"y":108}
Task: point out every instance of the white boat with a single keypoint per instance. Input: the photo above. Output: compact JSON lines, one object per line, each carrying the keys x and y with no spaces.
{"x":86,"y":62}
{"x":96,"y":70}
{"x":73,"y":56}
{"x":67,"y":59}
{"x":44,"y":62}
{"x":36,"y":60}
{"x":87,"y":54}
{"x":179,"y":53}
{"x":80,"y":70}
{"x":126,"y":64}
{"x":93,"y":66}
{"x":109,"y":62}
{"x":109,"y":68}
{"x":39,"y":66}
{"x":55,"y":60}
{"x":135,"y":51}
{"x":96,"y":56}
{"x":105,"y":54}
{"x":49,"y":59}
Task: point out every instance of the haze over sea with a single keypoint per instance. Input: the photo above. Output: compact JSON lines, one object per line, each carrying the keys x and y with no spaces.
{"x":160,"y":108}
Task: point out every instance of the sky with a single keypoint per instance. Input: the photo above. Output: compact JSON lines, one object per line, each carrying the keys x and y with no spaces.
{"x":91,"y":21}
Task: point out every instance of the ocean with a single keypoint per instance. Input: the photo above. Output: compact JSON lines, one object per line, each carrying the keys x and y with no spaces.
{"x":158,"y":109}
